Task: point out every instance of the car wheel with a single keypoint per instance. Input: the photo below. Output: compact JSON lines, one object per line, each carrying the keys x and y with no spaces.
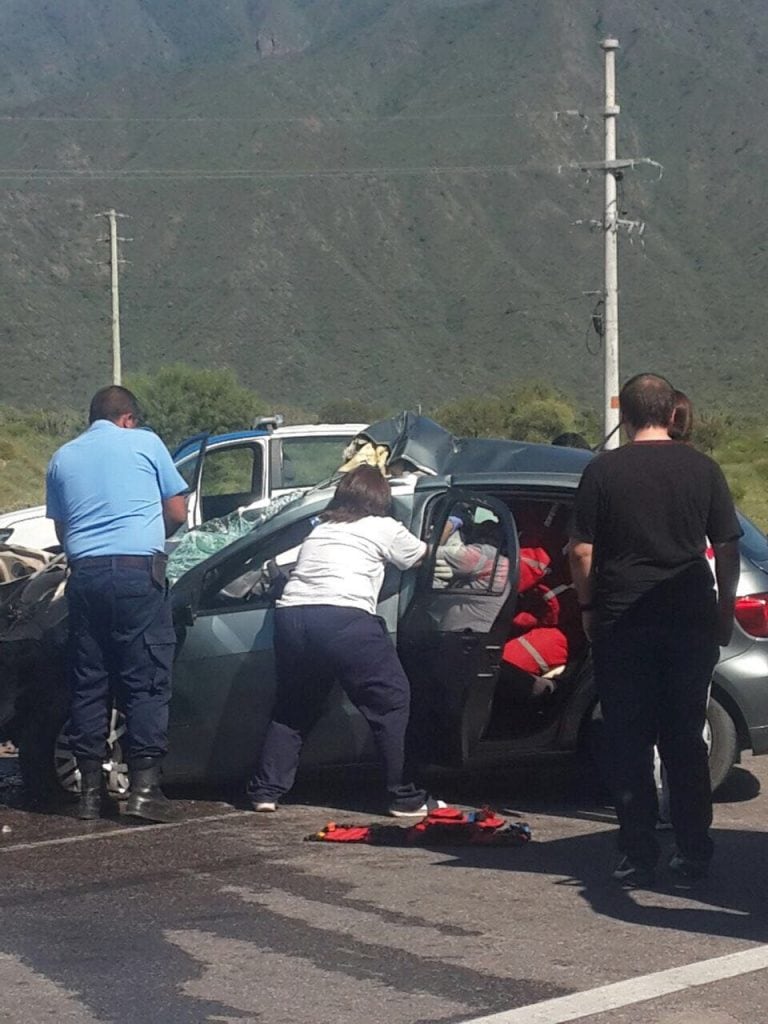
{"x":722,"y":740}
{"x":48,"y":766}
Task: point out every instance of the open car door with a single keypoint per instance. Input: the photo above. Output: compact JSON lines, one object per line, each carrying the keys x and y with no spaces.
{"x":193,"y":475}
{"x":452,"y":634}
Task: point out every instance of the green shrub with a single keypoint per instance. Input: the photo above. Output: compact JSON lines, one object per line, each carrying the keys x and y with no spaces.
{"x":179,"y":401}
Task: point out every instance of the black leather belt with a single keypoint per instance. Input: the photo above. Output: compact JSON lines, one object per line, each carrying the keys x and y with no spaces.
{"x":116,"y":562}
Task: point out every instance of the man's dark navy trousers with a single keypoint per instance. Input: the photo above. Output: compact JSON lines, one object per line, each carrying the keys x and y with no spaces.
{"x":122,"y":641}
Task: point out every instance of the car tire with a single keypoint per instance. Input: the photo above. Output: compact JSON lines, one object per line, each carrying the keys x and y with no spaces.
{"x":48,"y":767}
{"x":42,"y":726}
{"x":723,"y":742}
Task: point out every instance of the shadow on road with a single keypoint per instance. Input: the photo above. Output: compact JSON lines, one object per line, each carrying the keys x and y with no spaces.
{"x":731,"y":903}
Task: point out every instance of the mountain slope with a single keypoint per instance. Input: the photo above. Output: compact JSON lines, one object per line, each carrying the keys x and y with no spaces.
{"x":375,"y":197}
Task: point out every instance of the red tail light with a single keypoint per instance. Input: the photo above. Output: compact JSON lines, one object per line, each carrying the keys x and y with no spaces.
{"x":752,"y":614}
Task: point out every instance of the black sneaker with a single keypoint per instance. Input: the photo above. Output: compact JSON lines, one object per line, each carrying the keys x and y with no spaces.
{"x":631,"y":874}
{"x":686,"y":871}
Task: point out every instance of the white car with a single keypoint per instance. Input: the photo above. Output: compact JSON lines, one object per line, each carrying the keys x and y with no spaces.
{"x":28,"y":528}
{"x":225,"y":472}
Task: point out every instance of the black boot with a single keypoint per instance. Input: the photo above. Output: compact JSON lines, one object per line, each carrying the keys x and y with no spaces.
{"x":146,"y":800}
{"x":91,"y":782}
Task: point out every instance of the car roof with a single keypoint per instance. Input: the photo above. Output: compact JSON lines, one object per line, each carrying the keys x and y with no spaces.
{"x":481,"y":455}
{"x":320,"y":429}
{"x":191,"y":445}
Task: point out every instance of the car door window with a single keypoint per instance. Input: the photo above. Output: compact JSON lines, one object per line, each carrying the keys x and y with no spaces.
{"x":472,"y":553}
{"x":232,"y":477}
{"x":250,"y":577}
{"x":307,"y":461}
{"x":472,"y":565}
{"x":187,"y":468}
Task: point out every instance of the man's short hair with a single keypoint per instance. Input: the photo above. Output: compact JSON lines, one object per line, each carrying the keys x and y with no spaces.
{"x":647,"y":400}
{"x":111,"y":403}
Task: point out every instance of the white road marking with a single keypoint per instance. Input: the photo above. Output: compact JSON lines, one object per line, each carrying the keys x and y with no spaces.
{"x":137,"y":830}
{"x":634,"y":990}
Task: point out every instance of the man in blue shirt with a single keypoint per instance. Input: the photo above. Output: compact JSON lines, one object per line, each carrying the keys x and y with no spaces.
{"x":114,"y":495}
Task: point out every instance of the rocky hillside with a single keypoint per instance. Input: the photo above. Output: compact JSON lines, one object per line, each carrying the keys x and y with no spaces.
{"x":378,"y":197}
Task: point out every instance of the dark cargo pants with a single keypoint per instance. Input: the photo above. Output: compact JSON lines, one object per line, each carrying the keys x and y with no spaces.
{"x":121,"y":644}
{"x":314,"y":646}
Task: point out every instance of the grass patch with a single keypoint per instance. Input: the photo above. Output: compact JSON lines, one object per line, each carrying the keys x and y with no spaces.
{"x":27,"y":441}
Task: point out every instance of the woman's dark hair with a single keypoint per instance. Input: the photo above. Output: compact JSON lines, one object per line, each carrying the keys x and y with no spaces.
{"x":681,"y":424}
{"x":647,"y":400}
{"x":362,"y":492}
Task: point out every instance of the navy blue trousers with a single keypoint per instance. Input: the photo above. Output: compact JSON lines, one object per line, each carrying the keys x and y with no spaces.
{"x":314,"y":646}
{"x":121,"y":647}
{"x":653,"y":684}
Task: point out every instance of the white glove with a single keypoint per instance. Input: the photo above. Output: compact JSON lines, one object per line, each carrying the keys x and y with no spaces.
{"x":443,"y":573}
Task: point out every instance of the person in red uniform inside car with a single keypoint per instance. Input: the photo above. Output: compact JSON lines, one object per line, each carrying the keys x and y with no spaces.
{"x":546,"y":629}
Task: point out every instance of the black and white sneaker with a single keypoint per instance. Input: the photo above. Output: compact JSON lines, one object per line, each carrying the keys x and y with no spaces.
{"x":397,"y":810}
{"x":631,"y":874}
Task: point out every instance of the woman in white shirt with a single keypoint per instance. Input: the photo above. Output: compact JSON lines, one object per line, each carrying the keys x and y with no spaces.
{"x":326,"y":629}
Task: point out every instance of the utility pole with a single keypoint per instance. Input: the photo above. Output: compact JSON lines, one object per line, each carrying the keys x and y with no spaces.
{"x":613,"y":169}
{"x":114,"y":265}
{"x":611,"y":232}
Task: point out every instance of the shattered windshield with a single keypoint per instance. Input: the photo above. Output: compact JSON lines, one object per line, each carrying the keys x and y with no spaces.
{"x":202,"y":541}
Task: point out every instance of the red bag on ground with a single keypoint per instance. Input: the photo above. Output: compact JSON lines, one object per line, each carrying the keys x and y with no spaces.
{"x":445,"y":826}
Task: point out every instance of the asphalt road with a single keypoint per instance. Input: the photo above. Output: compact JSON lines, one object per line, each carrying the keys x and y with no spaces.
{"x":230,"y":916}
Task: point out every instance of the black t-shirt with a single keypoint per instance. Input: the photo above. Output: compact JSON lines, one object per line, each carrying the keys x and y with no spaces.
{"x":649,"y":509}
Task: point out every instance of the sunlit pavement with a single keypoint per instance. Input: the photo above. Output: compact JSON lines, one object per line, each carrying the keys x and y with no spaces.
{"x":231,"y":916}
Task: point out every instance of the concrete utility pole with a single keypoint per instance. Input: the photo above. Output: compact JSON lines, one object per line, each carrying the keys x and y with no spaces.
{"x":613,"y":169}
{"x":611,"y":232}
{"x":114,"y":264}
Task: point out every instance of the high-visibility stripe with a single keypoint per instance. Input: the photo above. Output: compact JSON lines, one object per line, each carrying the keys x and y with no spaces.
{"x":537,"y":657}
{"x":535,"y":564}
{"x":549,"y":595}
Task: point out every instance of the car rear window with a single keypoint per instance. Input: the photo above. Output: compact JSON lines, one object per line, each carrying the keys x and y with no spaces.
{"x":754,"y":544}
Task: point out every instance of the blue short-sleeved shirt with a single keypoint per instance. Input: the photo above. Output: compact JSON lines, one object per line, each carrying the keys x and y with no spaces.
{"x":107,"y":486}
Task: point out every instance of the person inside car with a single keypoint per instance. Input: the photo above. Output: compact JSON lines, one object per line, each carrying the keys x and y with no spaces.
{"x":546,"y":629}
{"x":470,"y":564}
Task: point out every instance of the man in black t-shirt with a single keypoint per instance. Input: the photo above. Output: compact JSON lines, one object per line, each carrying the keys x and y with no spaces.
{"x":644,"y":515}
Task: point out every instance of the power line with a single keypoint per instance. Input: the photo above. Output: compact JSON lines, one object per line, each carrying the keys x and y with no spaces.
{"x":247,"y":174}
{"x":255,"y":174}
